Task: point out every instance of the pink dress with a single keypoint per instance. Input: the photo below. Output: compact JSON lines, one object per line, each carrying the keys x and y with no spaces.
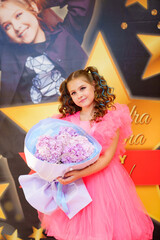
{"x":115,"y":212}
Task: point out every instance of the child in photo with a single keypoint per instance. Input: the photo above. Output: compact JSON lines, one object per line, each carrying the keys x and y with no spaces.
{"x":34,"y":59}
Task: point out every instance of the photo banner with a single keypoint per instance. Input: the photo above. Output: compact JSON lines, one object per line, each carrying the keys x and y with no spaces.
{"x":121,"y":38}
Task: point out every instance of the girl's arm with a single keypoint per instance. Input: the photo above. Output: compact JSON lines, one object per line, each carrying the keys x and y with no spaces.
{"x":78,"y":16}
{"x":100,"y":164}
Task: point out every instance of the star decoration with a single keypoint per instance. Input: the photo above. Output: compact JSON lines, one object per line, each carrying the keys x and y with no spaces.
{"x":3,"y":187}
{"x":144,"y":110}
{"x":152,"y":43}
{"x":37,"y":233}
{"x":13,"y":236}
{"x":1,"y":236}
{"x":142,"y":2}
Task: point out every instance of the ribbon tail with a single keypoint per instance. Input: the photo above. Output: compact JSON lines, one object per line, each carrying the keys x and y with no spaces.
{"x":60,"y":198}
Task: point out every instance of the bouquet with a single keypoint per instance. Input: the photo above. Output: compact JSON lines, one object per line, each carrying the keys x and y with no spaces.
{"x":52,"y":148}
{"x":65,"y":147}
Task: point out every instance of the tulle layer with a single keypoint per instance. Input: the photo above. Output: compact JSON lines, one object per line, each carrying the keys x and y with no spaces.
{"x":115,"y":213}
{"x":115,"y":119}
{"x":105,"y":130}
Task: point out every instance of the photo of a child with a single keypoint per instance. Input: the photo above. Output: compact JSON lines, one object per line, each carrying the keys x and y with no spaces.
{"x":35,"y":58}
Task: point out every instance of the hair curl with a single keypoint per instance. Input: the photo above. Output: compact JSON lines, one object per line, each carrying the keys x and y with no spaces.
{"x":104,"y":97}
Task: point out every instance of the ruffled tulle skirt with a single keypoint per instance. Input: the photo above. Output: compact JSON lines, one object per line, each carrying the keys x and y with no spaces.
{"x":116,"y":212}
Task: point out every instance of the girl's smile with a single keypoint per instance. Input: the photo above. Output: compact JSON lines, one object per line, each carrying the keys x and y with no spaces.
{"x":20,"y":24}
{"x":83,"y":100}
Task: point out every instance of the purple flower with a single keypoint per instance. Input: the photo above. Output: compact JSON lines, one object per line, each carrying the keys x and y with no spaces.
{"x":68,"y":130}
{"x":48,"y":149}
{"x":65,"y":147}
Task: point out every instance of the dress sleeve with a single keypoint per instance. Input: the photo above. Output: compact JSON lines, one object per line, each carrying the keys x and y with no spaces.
{"x":115,"y":119}
{"x":78,"y":16}
{"x":56,"y":116}
{"x":121,"y":120}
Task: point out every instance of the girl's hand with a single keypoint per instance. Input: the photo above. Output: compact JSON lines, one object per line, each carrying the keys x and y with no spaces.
{"x":97,"y":166}
{"x":69,"y":177}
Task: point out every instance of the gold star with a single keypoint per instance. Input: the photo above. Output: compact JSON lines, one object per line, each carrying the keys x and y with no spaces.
{"x":152,"y":43}
{"x":1,"y":236}
{"x":13,"y":236}
{"x":144,"y":113}
{"x":40,"y":111}
{"x":37,"y":233}
{"x":142,"y":2}
{"x":2,"y":190}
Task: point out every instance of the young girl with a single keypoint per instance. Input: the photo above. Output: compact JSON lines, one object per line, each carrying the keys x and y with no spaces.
{"x":33,"y":59}
{"x":116,"y":212}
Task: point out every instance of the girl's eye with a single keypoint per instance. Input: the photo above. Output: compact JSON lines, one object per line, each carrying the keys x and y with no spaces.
{"x":73,"y":93}
{"x":82,"y":88}
{"x":6,"y":26}
{"x":18,"y":15}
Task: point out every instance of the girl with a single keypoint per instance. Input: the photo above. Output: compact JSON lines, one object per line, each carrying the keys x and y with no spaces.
{"x":33,"y":59}
{"x":116,"y":211}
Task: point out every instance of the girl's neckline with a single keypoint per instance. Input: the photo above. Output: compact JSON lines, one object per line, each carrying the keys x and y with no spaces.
{"x":79,"y":116}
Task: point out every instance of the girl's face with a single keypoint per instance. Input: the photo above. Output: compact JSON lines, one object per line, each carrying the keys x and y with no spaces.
{"x":81,"y":92}
{"x":20,"y":25}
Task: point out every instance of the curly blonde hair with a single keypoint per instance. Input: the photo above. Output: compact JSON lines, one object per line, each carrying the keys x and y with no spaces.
{"x":103,"y":97}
